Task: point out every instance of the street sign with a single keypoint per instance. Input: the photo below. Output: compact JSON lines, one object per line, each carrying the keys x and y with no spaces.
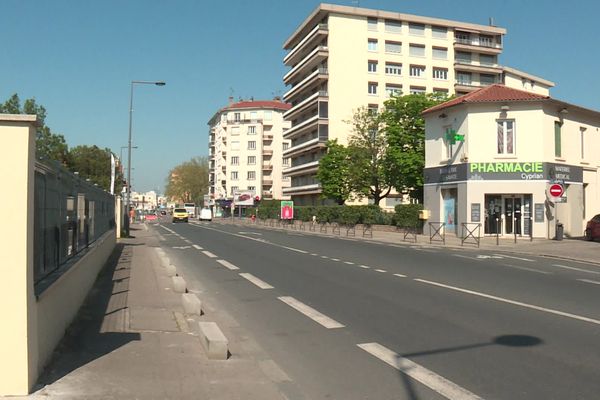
{"x":556,"y":190}
{"x":287,"y":209}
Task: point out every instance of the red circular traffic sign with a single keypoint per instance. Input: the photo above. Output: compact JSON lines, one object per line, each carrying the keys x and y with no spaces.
{"x":556,"y":190}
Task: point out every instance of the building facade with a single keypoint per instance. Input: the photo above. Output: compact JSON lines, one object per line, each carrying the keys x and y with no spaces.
{"x":491,"y":156}
{"x":245,"y":150}
{"x":342,"y":58}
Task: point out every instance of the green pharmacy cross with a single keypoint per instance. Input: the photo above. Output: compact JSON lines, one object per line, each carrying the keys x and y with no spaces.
{"x":452,"y":137}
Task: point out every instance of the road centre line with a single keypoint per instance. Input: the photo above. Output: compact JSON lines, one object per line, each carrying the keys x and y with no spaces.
{"x":291,"y":248}
{"x":364,"y":266}
{"x":313,"y":254}
{"x":227,"y":264}
{"x":516,"y":258}
{"x":435,"y":382}
{"x":311,"y":313}
{"x":400,"y":275}
{"x":513,"y":302}
{"x":589,"y":281}
{"x":576,"y":269}
{"x":348,"y":262}
{"x":324,"y":257}
{"x":380,"y":270}
{"x":526,"y":269}
{"x":258,"y":282}
{"x":209,"y":254}
{"x":197,"y":247}
{"x":335,"y":259}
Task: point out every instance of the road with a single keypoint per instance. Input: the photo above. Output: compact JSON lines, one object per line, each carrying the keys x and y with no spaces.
{"x":350,"y":319}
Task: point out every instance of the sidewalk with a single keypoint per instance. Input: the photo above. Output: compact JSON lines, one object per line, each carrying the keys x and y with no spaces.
{"x":131,"y":340}
{"x":568,"y":249}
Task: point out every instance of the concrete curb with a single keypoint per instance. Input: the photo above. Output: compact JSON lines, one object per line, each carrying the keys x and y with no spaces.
{"x":171,"y":270}
{"x":191,"y":304}
{"x":164,"y":260}
{"x":214,"y":341}
{"x":179,"y":284}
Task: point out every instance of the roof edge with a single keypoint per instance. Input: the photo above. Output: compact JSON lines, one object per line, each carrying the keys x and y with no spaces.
{"x":529,"y":76}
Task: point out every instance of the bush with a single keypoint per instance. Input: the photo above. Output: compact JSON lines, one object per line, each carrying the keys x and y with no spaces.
{"x":407,"y":215}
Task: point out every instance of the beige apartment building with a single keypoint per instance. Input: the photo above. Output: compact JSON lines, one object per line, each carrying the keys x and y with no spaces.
{"x":245,"y":151}
{"x":512,"y":146}
{"x":342,"y":58}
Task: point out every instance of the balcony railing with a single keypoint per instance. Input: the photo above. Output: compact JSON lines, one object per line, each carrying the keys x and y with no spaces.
{"x":483,"y":42}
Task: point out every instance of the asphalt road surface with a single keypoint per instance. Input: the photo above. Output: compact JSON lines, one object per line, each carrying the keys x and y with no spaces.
{"x":351,"y":319}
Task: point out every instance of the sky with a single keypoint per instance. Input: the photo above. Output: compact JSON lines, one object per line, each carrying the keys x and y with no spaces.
{"x":77,"y":59}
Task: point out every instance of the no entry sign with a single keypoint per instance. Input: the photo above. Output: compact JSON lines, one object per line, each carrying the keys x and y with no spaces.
{"x":556,"y":190}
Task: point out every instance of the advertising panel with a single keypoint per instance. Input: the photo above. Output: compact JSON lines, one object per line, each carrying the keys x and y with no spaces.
{"x":243,"y":198}
{"x":287,"y":210}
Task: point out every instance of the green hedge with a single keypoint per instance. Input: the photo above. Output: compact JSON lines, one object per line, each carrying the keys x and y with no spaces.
{"x":369,"y":214}
{"x":407,"y":215}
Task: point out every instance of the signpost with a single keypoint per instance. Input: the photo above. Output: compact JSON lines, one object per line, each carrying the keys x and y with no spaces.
{"x":556,"y":190}
{"x":287,"y":209}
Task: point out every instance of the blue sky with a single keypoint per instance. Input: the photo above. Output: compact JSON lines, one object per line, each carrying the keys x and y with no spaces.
{"x":77,"y":58}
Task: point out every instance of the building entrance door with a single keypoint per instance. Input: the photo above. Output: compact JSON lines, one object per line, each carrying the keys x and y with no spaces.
{"x":516,"y":214}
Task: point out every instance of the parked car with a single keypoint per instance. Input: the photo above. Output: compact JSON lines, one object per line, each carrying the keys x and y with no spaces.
{"x":205,"y":214}
{"x":592,"y":229}
{"x":180,"y":214}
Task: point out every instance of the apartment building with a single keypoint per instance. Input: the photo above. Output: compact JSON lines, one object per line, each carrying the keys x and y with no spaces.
{"x":245,"y":150}
{"x":514,"y":145}
{"x":342,"y":58}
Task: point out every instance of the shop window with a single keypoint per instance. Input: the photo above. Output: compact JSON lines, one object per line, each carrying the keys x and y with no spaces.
{"x":506,"y":137}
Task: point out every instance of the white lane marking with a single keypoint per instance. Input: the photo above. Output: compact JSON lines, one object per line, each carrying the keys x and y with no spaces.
{"x":348,"y":262}
{"x":258,"y":282}
{"x":182,"y":247}
{"x":250,"y":233}
{"x":364,"y":266}
{"x":576,"y":269}
{"x":293,"y":249}
{"x":437,"y":383}
{"x":324,"y":257}
{"x":335,"y":259}
{"x":589,"y":281}
{"x":227,"y":264}
{"x":311,"y":312}
{"x":187,"y":241}
{"x":400,"y":275}
{"x":209,"y":254}
{"x":470,"y":258}
{"x":526,"y":269}
{"x":313,"y":254}
{"x":145,"y":227}
{"x":516,"y":303}
{"x":380,"y":270}
{"x":197,"y":247}
{"x":516,"y":258}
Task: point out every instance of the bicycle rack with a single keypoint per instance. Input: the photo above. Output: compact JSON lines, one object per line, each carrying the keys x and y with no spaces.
{"x":437,"y":232}
{"x":469,"y":229}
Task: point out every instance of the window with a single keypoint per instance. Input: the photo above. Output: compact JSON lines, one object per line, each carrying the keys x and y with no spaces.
{"x":416,"y":29}
{"x":235,"y":130}
{"x":268,"y":115}
{"x":486,"y":79}
{"x":237,"y":117}
{"x":582,"y":136}
{"x":463,"y":78}
{"x":485,"y":59}
{"x":372,"y":66}
{"x":252,"y":188}
{"x":462,"y":37}
{"x":252,"y":145}
{"x":251,"y":175}
{"x":234,"y":175}
{"x":393,"y":26}
{"x":440,"y":53}
{"x":487,"y":41}
{"x":286,"y":162}
{"x":235,"y":145}
{"x":251,"y":160}
{"x":393,"y":47}
{"x":372,"y":44}
{"x":373,"y":88}
{"x":416,"y":50}
{"x":440,"y":91}
{"x":252,"y":130}
{"x":372,"y":24}
{"x":235,"y":160}
{"x":417,"y":90}
{"x":234,"y":189}
{"x":506,"y":137}
{"x":286,"y":146}
{"x":440,"y":32}
{"x":393,"y":69}
{"x":372,"y":108}
{"x":440,"y":73}
{"x":393,"y":90}
{"x":417,"y":70}
{"x":557,"y":138}
{"x":463,"y":57}
{"x":253,"y":115}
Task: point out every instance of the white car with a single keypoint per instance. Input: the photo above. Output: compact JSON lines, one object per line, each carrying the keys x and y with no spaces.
{"x":205,"y":215}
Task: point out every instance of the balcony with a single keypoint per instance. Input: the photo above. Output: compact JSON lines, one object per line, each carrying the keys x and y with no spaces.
{"x":311,"y":39}
{"x":302,"y":169}
{"x":267,"y":167}
{"x":308,"y":146}
{"x":306,"y":104}
{"x":477,"y":44}
{"x":463,"y":85}
{"x":304,"y":189}
{"x":267,"y":182}
{"x":312,"y":60}
{"x":305,"y":126}
{"x":267,"y":152}
{"x":310,"y":83}
{"x":267,"y":137}
{"x":473,"y":66}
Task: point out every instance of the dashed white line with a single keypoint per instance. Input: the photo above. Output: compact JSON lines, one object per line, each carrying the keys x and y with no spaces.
{"x":516,"y":258}
{"x":348,"y":262}
{"x":589,"y":281}
{"x":400,"y":275}
{"x":324,"y":257}
{"x":311,"y":313}
{"x":526,"y":269}
{"x":364,"y":266}
{"x":227,"y":264}
{"x":516,"y":303}
{"x":438,"y":383}
{"x":187,"y":241}
{"x":380,"y":270}
{"x":197,"y":247}
{"x":293,"y":249}
{"x":576,"y":269}
{"x":258,"y":282}
{"x":313,"y":254}
{"x":335,"y":259}
{"x":209,"y":254}
{"x":470,"y":258}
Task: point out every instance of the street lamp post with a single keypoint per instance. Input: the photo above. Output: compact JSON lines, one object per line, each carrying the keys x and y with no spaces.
{"x":121,"y":153}
{"x":127,"y":199}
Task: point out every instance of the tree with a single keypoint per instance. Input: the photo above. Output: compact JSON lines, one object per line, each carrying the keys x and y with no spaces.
{"x":93,"y":163}
{"x":405,"y":133}
{"x":369,"y":157}
{"x":188,"y":182}
{"x":334,"y":173}
{"x":48,"y":145}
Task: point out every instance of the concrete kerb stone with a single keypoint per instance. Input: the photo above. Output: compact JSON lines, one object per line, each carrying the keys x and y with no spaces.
{"x":214,"y":341}
{"x":191,"y":304}
{"x":179,"y":284}
{"x":164,"y":260}
{"x":171,"y":270}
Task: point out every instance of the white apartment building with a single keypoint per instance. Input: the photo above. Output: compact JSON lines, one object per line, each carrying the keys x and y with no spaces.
{"x":514,"y":145}
{"x":342,"y":58}
{"x":245,"y":150}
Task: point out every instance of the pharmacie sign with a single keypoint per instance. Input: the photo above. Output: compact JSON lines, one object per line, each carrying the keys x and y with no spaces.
{"x":520,"y":171}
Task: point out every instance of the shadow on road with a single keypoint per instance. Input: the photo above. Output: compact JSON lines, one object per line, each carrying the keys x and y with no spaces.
{"x":97,"y":329}
{"x":503,"y":340}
